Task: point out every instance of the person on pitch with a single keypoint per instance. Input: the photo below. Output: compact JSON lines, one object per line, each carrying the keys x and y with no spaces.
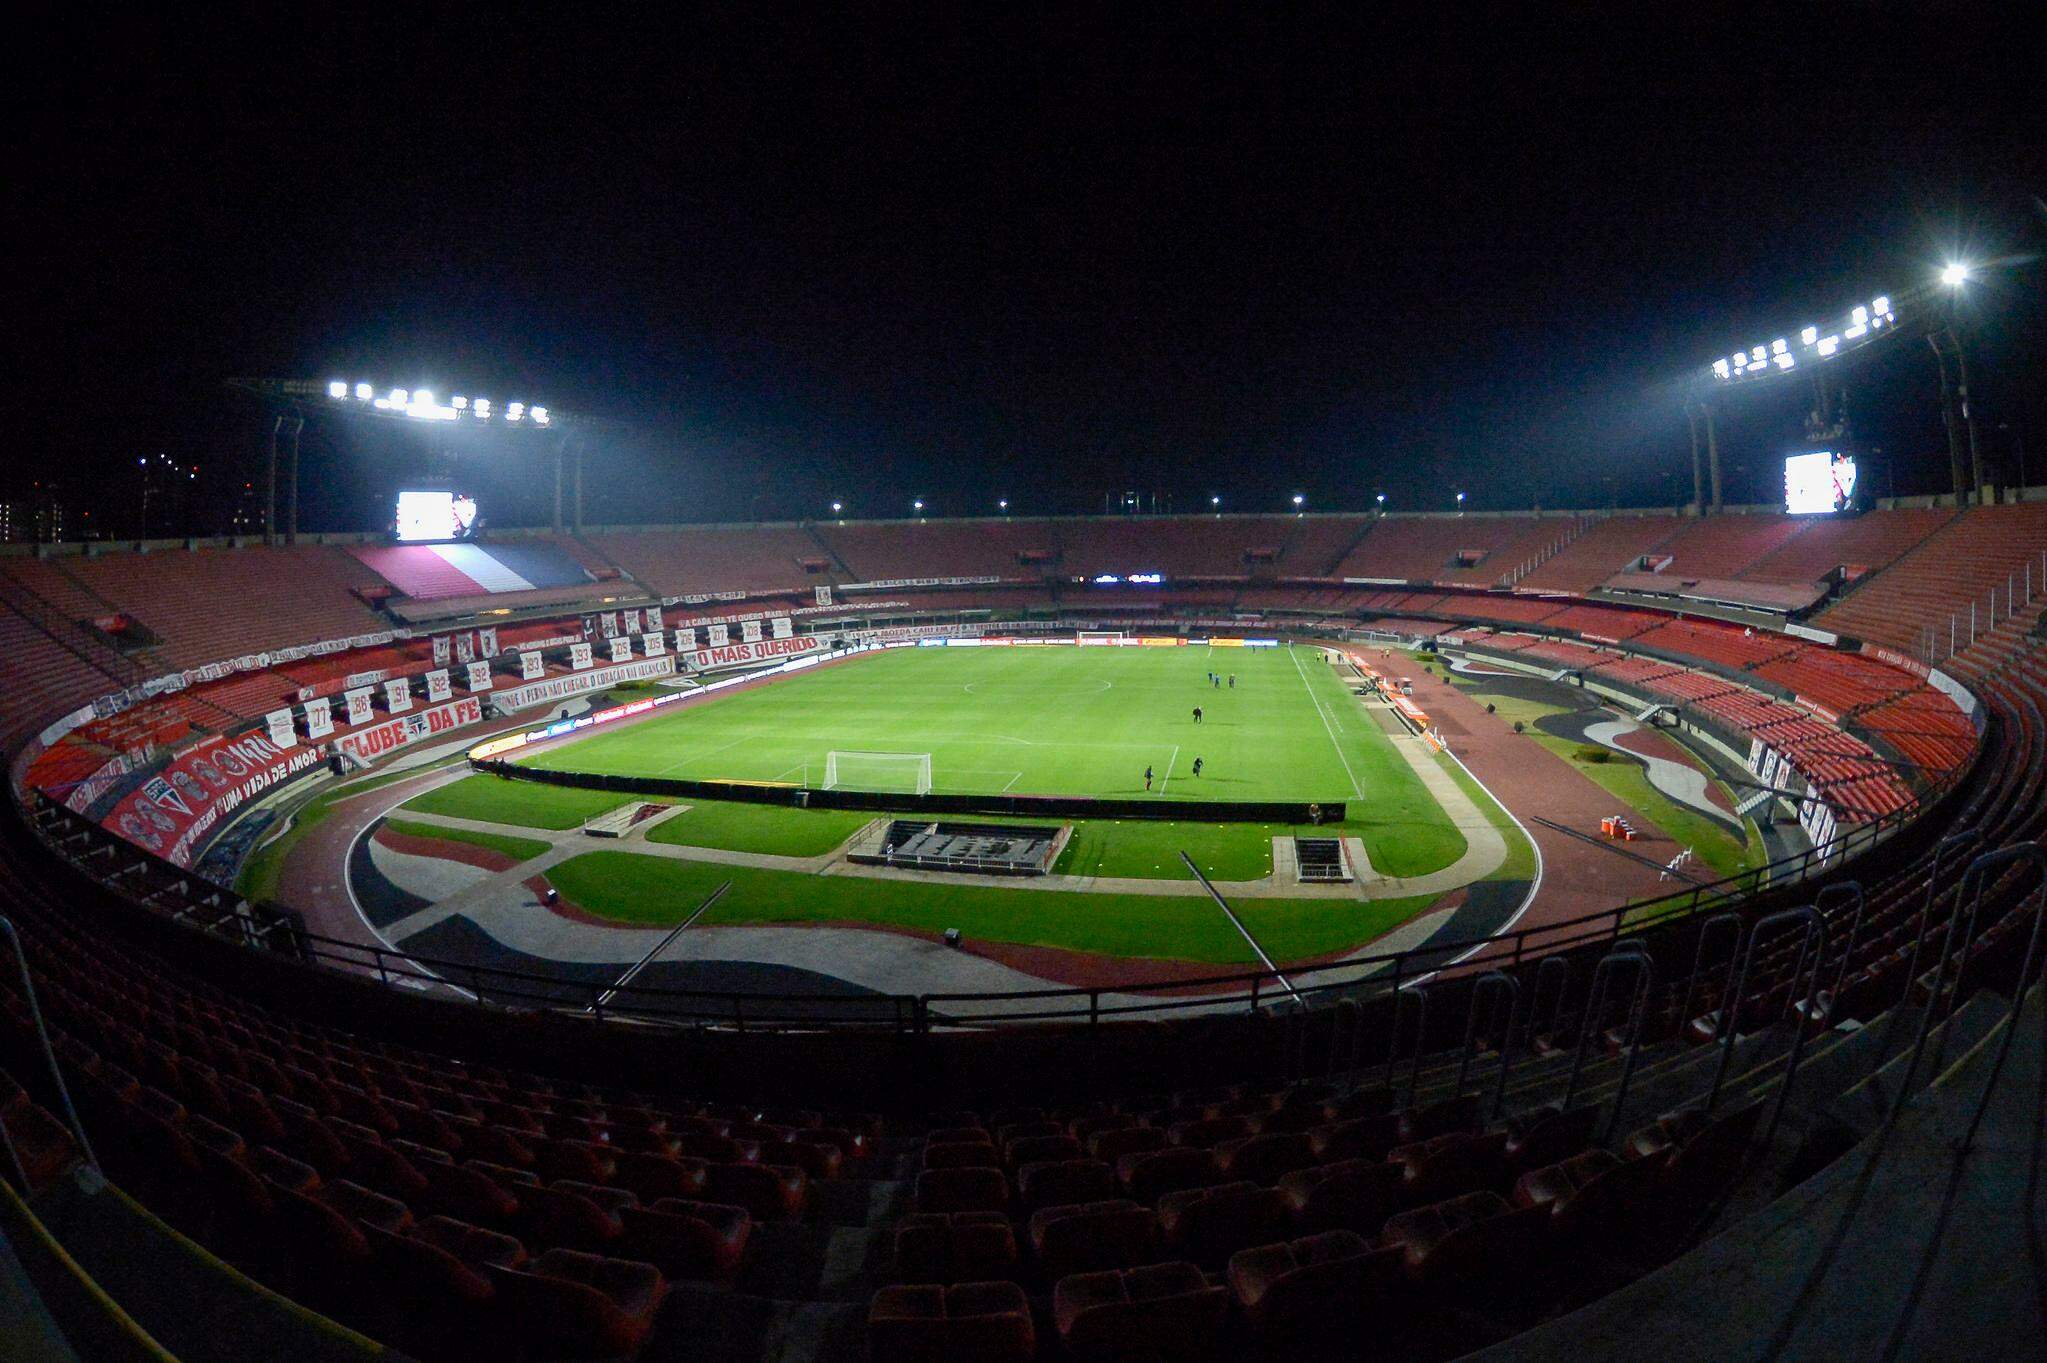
{"x":1197,"y":714}
{"x":1233,"y":681}
{"x":1147,"y":777}
{"x":1197,"y":766}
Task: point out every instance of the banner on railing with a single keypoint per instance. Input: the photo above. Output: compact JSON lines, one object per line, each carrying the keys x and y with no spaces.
{"x":716,"y":635}
{"x":781,"y":627}
{"x":653,"y":644}
{"x":393,"y":734}
{"x":319,"y":718}
{"x":685,"y":639}
{"x":632,"y":621}
{"x":360,"y":709}
{"x":579,"y":656}
{"x":177,"y":809}
{"x":437,"y":688}
{"x":750,"y":631}
{"x":487,"y":642}
{"x":479,"y":677}
{"x":281,"y":731}
{"x":575,"y":683}
{"x":398,"y":695}
{"x":622,"y":648}
{"x":444,"y":649}
{"x":532,"y":666}
{"x":760,"y":651}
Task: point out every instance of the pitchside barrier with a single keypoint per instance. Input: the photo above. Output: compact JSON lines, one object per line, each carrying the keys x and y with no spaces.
{"x":1043,"y":806}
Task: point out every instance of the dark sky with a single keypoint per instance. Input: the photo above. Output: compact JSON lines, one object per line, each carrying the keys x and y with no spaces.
{"x":1041,"y":257}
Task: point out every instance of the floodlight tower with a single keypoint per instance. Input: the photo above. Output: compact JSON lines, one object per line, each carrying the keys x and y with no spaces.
{"x":1947,"y":342}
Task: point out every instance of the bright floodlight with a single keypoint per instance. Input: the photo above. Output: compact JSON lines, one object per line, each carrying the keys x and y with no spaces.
{"x":1215,"y":501}
{"x":1298,"y":499}
{"x":337,"y":389}
{"x":1002,"y":504}
{"x":837,"y":507}
{"x":1955,"y":275}
{"x":399,"y":397}
{"x":460,"y":404}
{"x":1808,"y":336}
{"x":917,"y":505}
{"x":363,"y":392}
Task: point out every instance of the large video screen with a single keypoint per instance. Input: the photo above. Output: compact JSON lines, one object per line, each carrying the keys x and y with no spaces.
{"x":434,"y":514}
{"x":1819,"y":482}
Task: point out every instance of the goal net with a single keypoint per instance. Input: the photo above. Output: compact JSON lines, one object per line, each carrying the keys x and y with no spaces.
{"x":1098,"y":636}
{"x":908,"y":772}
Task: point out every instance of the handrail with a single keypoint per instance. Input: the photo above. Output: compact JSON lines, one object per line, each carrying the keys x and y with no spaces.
{"x":35,"y":1009}
{"x":1492,"y":979}
{"x":2036,"y":856}
{"x":1420,"y":996}
{"x":1730,"y":1013}
{"x":1737,"y":922}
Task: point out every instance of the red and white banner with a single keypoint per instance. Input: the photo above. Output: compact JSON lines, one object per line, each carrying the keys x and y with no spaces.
{"x":750,"y":631}
{"x":174,"y":810}
{"x":622,"y":648}
{"x":393,"y":734}
{"x":281,"y":731}
{"x":487,"y":642}
{"x":532,"y":666}
{"x":742,"y":654}
{"x":686,"y":639}
{"x":653,"y":645}
{"x":823,"y":593}
{"x":437,"y":688}
{"x":632,"y":621}
{"x":398,"y":695}
{"x":359,"y":709}
{"x":444,"y":649}
{"x":579,"y":656}
{"x":319,"y":718}
{"x":479,"y":677}
{"x":653,"y":619}
{"x":716,"y":635}
{"x":465,"y":649}
{"x":781,"y":627}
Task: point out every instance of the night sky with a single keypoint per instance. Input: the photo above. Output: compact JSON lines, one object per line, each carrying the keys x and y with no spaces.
{"x":797,"y":258}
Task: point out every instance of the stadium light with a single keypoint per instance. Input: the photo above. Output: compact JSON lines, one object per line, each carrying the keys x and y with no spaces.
{"x":419,"y":404}
{"x":918,"y":505}
{"x":1460,"y":501}
{"x":1215,"y":501}
{"x":1860,"y":323}
{"x":1954,"y":275}
{"x":1298,"y":499}
{"x":337,"y":389}
{"x":1382,"y":499}
{"x":1002,"y":504}
{"x":837,"y":507}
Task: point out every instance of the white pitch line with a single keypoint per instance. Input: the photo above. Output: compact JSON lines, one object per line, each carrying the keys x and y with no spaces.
{"x":1169,"y":768}
{"x":1316,"y":701}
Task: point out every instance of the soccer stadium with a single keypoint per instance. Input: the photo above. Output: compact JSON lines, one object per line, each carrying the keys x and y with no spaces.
{"x":489,"y":928}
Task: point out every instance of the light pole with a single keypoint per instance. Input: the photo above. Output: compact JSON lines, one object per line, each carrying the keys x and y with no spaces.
{"x":1460,"y":504}
{"x":1945,"y":342}
{"x":1299,"y":501}
{"x":918,"y":506}
{"x":1002,"y":505}
{"x":837,"y":507}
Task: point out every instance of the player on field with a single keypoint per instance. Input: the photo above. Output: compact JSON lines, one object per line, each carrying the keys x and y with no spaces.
{"x":1197,"y":766}
{"x":1197,"y":714}
{"x":1147,"y":777}
{"x":1233,"y":681}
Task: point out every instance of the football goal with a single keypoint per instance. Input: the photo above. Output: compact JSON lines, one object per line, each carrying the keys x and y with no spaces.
{"x":909,"y":772}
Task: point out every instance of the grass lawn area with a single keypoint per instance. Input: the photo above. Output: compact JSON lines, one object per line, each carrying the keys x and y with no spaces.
{"x":258,"y":876}
{"x":1149,"y":849}
{"x":1297,"y":929}
{"x":519,"y":849}
{"x":494,"y":799}
{"x":737,"y":826}
{"x":652,"y":890}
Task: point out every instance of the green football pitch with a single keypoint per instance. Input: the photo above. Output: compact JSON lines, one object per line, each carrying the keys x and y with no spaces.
{"x":1038,"y":721}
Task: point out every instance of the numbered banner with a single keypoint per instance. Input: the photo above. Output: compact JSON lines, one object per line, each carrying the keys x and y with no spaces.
{"x":750,"y":631}
{"x":653,"y":645}
{"x":532,"y":667}
{"x":444,"y":647}
{"x":281,"y":731}
{"x":579,"y":656}
{"x":686,"y":639}
{"x":718,"y":635}
{"x":437,"y":688}
{"x":479,"y":676}
{"x":487,"y":642}
{"x":607,"y":624}
{"x":780,"y":627}
{"x":622,"y":648}
{"x":398,"y":695}
{"x":359,"y":710}
{"x":319,"y":717}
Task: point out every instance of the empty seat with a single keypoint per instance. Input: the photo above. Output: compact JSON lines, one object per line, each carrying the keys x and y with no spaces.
{"x":930,"y":1323}
{"x":1114,"y":1143}
{"x":686,"y":1239}
{"x":1150,"y":1175}
{"x":1357,"y":1194}
{"x":1356,"y":1137}
{"x":1263,"y":1158}
{"x":651,"y":1176}
{"x":1319,"y":1290}
{"x":770,"y":1192}
{"x":1454,"y":1164}
{"x":1112,"y":1233}
{"x":1160,"y":1311}
{"x":582,"y":1305}
{"x":1207,"y":1225}
{"x":962,"y":1155}
{"x":952,"y":1247}
{"x":1448,"y":1247}
{"x":1553,"y":1136}
{"x":1064,"y":1181}
{"x":962,"y":1190}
